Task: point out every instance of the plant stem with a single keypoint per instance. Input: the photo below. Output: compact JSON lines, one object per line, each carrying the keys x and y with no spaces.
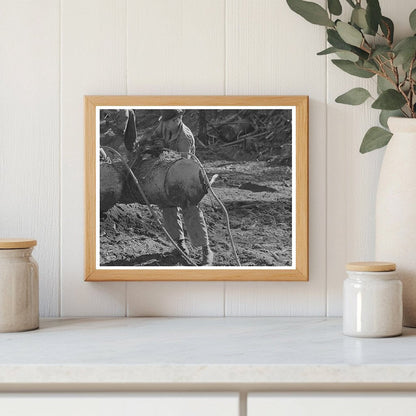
{"x":411,"y":92}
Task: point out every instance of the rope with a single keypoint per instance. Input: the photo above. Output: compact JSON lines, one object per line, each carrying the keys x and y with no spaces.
{"x":152,"y":211}
{"x":227,"y":218}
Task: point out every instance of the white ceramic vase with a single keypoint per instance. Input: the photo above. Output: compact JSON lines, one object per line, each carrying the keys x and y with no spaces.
{"x":396,"y":210}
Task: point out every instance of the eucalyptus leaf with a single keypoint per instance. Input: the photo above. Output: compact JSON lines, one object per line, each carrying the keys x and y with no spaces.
{"x":360,"y":52}
{"x":386,"y":114}
{"x":381,"y":50}
{"x":412,"y":20}
{"x":311,"y":12}
{"x":383,"y":84}
{"x":375,"y":138}
{"x":356,"y":96}
{"x":373,"y":15}
{"x":348,"y":56}
{"x":349,"y":34}
{"x":327,"y":51}
{"x":358,"y":18}
{"x":352,"y":68}
{"x":370,"y":64}
{"x":334,"y":7}
{"x":405,"y":50}
{"x":392,"y":75}
{"x":387,"y":27}
{"x":389,"y":100}
{"x":335,"y":40}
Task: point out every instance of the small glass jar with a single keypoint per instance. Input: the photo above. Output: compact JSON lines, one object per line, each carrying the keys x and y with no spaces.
{"x":19,"y":286}
{"x":372,"y":300}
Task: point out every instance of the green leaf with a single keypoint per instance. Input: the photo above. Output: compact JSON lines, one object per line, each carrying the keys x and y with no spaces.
{"x":347,"y":55}
{"x":375,"y":138}
{"x":383,"y":84}
{"x":412,"y":20}
{"x":356,"y":96}
{"x":387,"y":27}
{"x":351,"y":3}
{"x":334,"y":7}
{"x":370,"y":64}
{"x":373,"y":15}
{"x":389,"y":100}
{"x":381,"y":50}
{"x":386,"y":114}
{"x":358,"y":18}
{"x":352,"y":68}
{"x":335,"y":40}
{"x":405,"y":50}
{"x":327,"y":51}
{"x":349,"y":34}
{"x":311,"y":12}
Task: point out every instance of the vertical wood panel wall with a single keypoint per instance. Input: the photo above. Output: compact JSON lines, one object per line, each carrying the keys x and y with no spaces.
{"x":93,"y":58}
{"x":56,"y":51}
{"x":30,"y":135}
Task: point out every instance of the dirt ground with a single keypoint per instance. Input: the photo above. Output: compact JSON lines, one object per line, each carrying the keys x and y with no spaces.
{"x":261,"y":221}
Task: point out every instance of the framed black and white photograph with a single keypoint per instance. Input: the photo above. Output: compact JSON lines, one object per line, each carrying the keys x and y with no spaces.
{"x":196,"y":188}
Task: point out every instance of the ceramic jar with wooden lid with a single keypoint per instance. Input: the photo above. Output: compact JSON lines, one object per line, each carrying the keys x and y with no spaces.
{"x":19,"y":286}
{"x":372,"y":300}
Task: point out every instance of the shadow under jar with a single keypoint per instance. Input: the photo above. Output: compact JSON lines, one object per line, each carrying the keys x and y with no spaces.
{"x":19,"y":286}
{"x":373,"y":305}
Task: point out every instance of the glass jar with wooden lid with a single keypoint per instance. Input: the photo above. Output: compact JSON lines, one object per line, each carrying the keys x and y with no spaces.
{"x":19,"y":286}
{"x":372,"y":300}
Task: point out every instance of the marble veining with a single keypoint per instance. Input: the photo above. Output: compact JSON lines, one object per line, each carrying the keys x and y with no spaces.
{"x":203,"y":350}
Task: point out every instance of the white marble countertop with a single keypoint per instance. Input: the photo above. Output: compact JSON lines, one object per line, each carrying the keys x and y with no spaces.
{"x":191,"y":352}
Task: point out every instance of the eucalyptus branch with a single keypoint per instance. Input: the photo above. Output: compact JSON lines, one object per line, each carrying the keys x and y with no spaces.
{"x":366,"y":43}
{"x":395,"y":71}
{"x":381,"y":65}
{"x":406,"y":97}
{"x":364,"y":55}
{"x":411,"y":82}
{"x":385,"y":75}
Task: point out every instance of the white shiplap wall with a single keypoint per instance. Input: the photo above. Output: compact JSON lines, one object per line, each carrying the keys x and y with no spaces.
{"x":30,"y":138}
{"x":55,"y":52}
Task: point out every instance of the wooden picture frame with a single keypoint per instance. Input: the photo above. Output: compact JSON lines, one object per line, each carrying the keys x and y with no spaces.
{"x":298,"y":270}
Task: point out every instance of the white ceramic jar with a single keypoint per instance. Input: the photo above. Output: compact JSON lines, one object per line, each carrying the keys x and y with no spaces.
{"x":372,"y":300}
{"x":19,"y":286}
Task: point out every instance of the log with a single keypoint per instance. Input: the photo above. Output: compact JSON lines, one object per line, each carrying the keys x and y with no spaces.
{"x":231,"y":131}
{"x":243,"y":138}
{"x":167,"y":181}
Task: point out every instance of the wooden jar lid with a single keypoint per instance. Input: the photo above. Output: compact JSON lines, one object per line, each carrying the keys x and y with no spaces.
{"x":371,"y":266}
{"x":11,"y":243}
